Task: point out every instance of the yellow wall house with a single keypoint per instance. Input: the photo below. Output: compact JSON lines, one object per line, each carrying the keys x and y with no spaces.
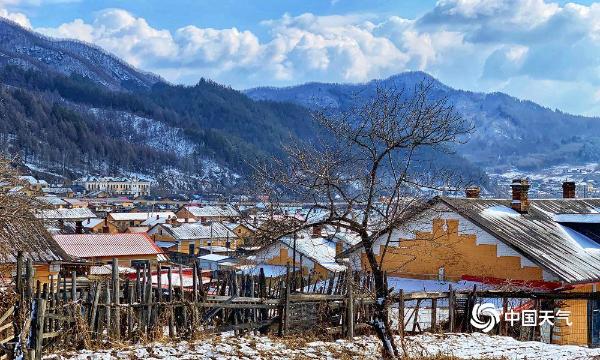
{"x":547,"y":243}
{"x":316,"y":254}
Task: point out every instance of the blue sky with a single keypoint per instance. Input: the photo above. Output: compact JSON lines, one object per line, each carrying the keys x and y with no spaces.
{"x":540,"y":50}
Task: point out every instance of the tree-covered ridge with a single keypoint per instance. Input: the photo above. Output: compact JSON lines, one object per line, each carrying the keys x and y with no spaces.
{"x":221,"y":123}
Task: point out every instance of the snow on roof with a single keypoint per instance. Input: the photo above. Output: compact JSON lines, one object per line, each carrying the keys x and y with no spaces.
{"x":66,"y":214}
{"x":107,"y":270}
{"x":194,"y":231}
{"x":151,"y":221}
{"x":592,"y":218}
{"x":213,"y":257}
{"x":51,"y":200}
{"x":580,"y":239}
{"x":57,"y":190}
{"x":318,"y":249}
{"x":141,"y":216}
{"x":499,"y":210}
{"x":90,"y":223}
{"x":107,"y":245}
{"x":212,"y":211}
{"x":165,"y":244}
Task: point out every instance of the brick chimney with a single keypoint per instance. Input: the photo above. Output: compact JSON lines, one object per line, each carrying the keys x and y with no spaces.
{"x":316,"y":231}
{"x":520,"y":195}
{"x":78,"y":227}
{"x":568,"y":189}
{"x":472,"y":192}
{"x":339,"y":247}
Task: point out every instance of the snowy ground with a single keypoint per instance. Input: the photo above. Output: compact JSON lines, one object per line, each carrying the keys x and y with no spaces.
{"x":461,"y":346}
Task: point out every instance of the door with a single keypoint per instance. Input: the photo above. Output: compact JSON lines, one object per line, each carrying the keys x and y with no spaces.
{"x":594,"y":317}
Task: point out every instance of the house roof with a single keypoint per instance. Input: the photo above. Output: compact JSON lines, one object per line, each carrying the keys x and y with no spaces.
{"x":107,"y":245}
{"x":192,"y":231}
{"x":212,"y":211}
{"x":31,"y":238}
{"x":66,"y":214}
{"x":317,"y":249}
{"x":213,"y":257}
{"x":51,"y":200}
{"x":141,"y":216}
{"x":542,"y":235}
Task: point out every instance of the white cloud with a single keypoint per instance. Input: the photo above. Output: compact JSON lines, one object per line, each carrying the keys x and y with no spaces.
{"x":552,"y":50}
{"x":17,"y":17}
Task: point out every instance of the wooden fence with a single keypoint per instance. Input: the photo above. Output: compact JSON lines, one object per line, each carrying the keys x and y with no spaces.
{"x":72,"y":311}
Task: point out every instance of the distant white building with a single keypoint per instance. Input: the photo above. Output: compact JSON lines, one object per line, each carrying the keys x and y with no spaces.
{"x":116,"y":185}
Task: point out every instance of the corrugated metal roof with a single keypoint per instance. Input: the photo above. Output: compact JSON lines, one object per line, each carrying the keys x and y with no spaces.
{"x":212,"y":211}
{"x":106,"y":245}
{"x":141,"y":216}
{"x":66,"y":214}
{"x":195,"y":231}
{"x":537,"y":235}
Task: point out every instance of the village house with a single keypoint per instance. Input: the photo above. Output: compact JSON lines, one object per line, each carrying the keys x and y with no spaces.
{"x":62,"y":191}
{"x":29,"y":237}
{"x":314,"y":252}
{"x":55,"y":219}
{"x":124,"y":220}
{"x":195,"y":238}
{"x":130,"y":249}
{"x":550,"y":244}
{"x":208,"y":213}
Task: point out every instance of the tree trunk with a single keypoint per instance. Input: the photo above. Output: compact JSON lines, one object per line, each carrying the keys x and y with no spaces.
{"x":381,"y":321}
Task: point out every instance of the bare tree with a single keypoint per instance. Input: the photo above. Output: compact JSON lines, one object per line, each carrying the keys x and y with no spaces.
{"x":368,"y":175}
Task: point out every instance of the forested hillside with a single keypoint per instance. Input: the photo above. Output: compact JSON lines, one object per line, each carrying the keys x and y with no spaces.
{"x":71,"y":125}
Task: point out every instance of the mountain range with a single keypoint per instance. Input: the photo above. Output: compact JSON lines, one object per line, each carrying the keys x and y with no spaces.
{"x":69,"y":109}
{"x":508,"y":132}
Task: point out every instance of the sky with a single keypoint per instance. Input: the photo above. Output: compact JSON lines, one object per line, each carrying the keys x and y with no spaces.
{"x":540,"y":50}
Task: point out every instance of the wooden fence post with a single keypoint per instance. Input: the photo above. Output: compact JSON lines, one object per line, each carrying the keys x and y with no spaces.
{"x":116,"y":299}
{"x":39,"y":327}
{"x":401,"y":313}
{"x":350,"y":301}
{"x":433,"y":314}
{"x":451,"y":307}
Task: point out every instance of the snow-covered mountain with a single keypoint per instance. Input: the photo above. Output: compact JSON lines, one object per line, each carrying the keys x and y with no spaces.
{"x":508,"y":132}
{"x":30,"y":50}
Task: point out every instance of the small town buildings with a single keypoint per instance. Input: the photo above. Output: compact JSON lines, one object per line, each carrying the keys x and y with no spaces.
{"x":189,"y":238}
{"x":209,"y":213}
{"x":130,"y":249}
{"x":116,"y":185}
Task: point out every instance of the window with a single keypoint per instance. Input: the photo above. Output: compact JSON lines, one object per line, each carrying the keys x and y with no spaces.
{"x":139,"y":264}
{"x":191,"y":249}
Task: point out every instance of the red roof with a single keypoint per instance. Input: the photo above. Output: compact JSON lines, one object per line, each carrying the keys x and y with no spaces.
{"x":107,"y":245}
